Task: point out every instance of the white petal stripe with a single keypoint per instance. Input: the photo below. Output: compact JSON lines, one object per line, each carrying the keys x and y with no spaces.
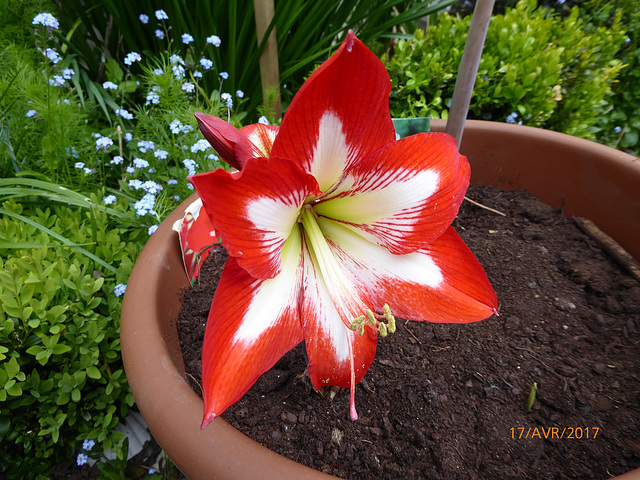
{"x":274,"y":295}
{"x":330,"y":152}
{"x":274,"y":218}
{"x":374,"y":265}
{"x":392,"y":199}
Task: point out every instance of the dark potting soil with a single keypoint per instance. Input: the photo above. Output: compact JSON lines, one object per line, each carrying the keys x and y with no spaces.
{"x":450,"y":401}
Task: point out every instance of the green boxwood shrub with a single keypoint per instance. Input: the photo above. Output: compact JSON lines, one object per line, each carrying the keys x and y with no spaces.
{"x":619,"y":123}
{"x":61,"y":374}
{"x":536,"y":68}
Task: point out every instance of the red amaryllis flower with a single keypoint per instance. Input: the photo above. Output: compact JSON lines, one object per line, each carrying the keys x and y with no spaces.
{"x":331,"y":227}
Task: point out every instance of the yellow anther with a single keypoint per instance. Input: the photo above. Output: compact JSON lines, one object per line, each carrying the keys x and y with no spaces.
{"x":392,"y":324}
{"x":382,"y":328}
{"x":357,"y":322}
{"x":372,"y":318}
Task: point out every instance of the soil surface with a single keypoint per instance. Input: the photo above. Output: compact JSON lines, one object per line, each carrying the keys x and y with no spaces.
{"x":450,"y":401}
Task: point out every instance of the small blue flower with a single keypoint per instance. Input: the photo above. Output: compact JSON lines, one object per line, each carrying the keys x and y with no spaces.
{"x":130,"y":170}
{"x":144,"y":18}
{"x":173,"y":181}
{"x":117,"y":160}
{"x":224,"y":75}
{"x":79,"y":165}
{"x":47,"y":20}
{"x":263,"y":120}
{"x":152,"y":98}
{"x":82,"y":458}
{"x":67,"y":73}
{"x":160,"y":34}
{"x":108,"y":200}
{"x":160,"y":154}
{"x":145,"y":205}
{"x":31,"y":113}
{"x":227,"y":98}
{"x":158,"y":71}
{"x":121,"y":112}
{"x":89,"y":444}
{"x":152,"y":471}
{"x":175,"y":126}
{"x":187,"y":39}
{"x":52,"y":55}
{"x":109,"y":86}
{"x":161,"y":15}
{"x":151,"y":187}
{"x":200,"y":146}
{"x":188,"y":87}
{"x":135,"y":184}
{"x":214,"y":40}
{"x":175,"y":58}
{"x":104,"y":143}
{"x":140,"y":163}
{"x":239,"y":93}
{"x":118,"y":291}
{"x":145,"y":145}
{"x":152,"y":229}
{"x":206,"y":63}
{"x":178,"y":71}
{"x":132,"y":57}
{"x":128,"y":137}
{"x":190,"y":165}
{"x":617,"y":129}
{"x":197,"y":74}
{"x":511,"y":118}
{"x":56,"y":81}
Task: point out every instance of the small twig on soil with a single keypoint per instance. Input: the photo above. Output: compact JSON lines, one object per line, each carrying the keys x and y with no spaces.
{"x":484,"y":206}
{"x":411,"y":333}
{"x":610,"y":246}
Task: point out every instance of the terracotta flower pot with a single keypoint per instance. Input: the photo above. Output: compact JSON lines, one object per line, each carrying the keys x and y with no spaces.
{"x":587,"y":179}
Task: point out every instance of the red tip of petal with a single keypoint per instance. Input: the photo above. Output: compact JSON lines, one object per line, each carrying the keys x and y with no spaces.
{"x":349,"y":40}
{"x":230,"y":143}
{"x":208,"y":418}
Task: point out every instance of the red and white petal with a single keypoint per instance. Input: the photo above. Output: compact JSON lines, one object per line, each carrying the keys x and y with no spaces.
{"x":440,"y":283}
{"x":254,"y":211}
{"x":337,"y":355}
{"x":230,"y":143}
{"x":197,"y":238}
{"x":405,"y":195}
{"x":252,"y":324}
{"x":339,"y":116}
{"x":262,"y":136}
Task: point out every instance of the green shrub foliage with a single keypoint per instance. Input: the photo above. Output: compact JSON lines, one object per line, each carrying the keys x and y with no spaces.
{"x":61,"y":375}
{"x":536,"y":68}
{"x":619,"y":123}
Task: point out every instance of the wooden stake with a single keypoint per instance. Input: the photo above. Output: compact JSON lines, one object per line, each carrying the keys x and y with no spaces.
{"x":269,"y":70}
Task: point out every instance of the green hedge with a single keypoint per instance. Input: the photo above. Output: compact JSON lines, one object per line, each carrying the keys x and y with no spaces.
{"x":61,"y":374}
{"x":536,"y":68}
